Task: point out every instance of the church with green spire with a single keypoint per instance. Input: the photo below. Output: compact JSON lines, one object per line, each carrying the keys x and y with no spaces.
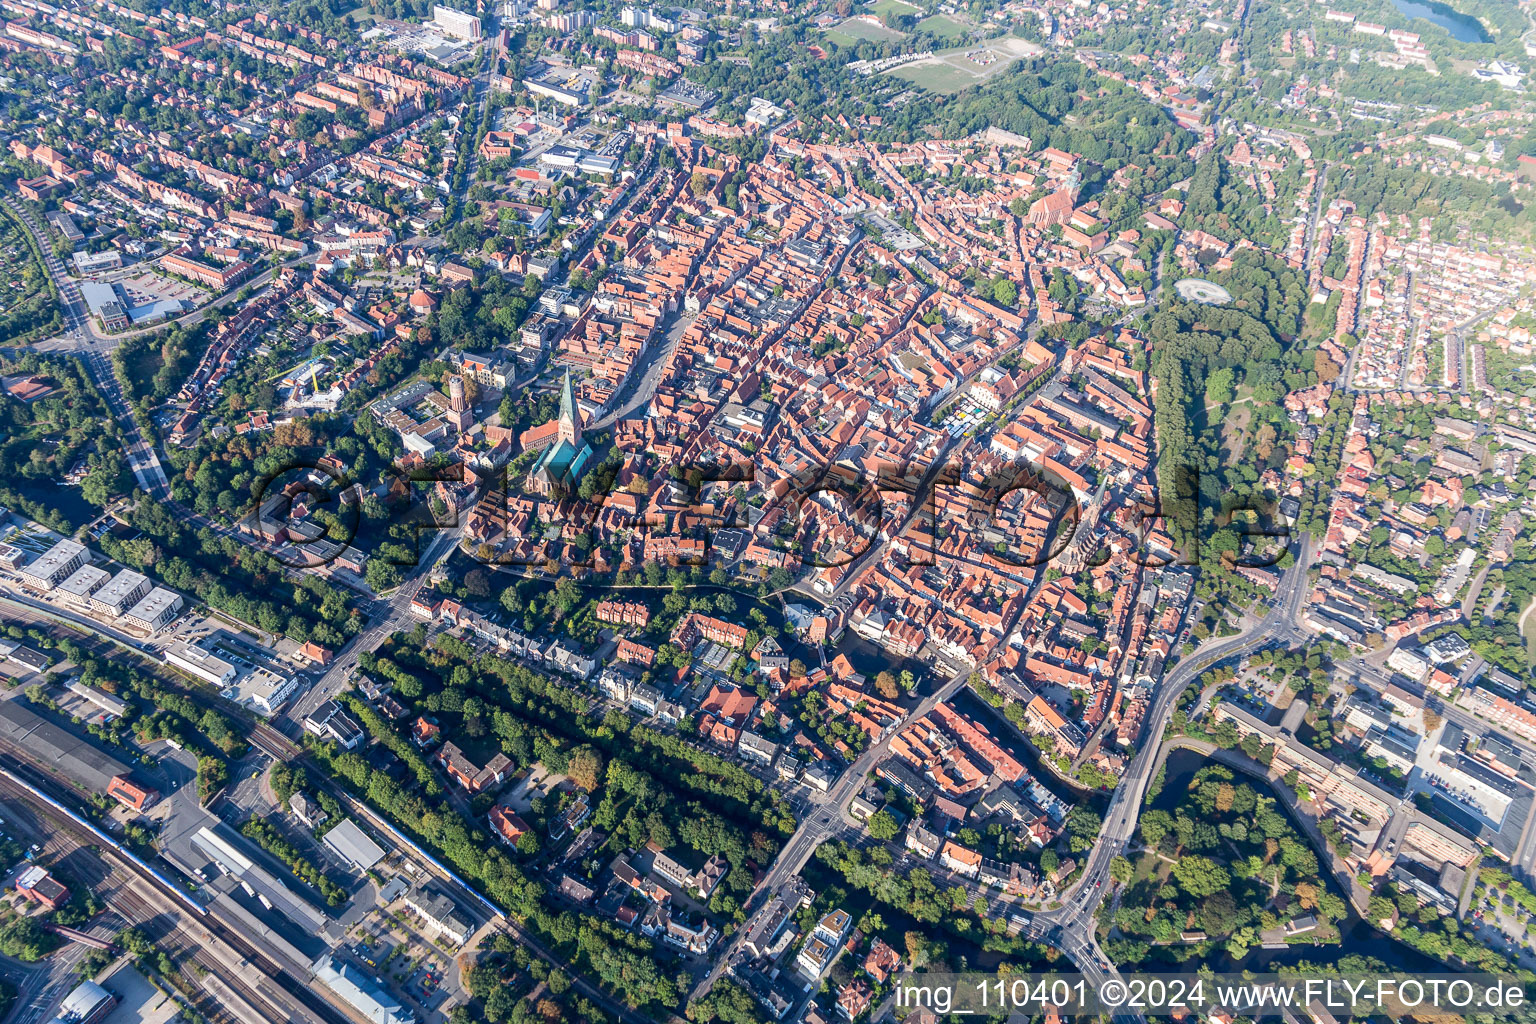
{"x":562,"y":462}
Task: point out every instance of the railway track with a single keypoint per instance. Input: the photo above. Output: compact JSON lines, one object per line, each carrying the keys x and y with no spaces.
{"x":273,"y":743}
{"x":274,"y":984}
{"x":171,"y":938}
{"x":262,"y":1003}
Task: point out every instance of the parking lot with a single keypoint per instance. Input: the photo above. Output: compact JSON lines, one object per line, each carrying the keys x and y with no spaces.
{"x":410,"y":966}
{"x":1500,"y":923}
{"x":144,"y":287}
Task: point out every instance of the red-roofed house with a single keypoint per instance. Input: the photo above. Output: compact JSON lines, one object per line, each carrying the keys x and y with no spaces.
{"x":730,"y":705}
{"x":130,"y":794}
{"x":507,"y":824}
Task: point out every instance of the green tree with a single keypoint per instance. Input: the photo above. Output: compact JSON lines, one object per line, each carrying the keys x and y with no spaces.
{"x":1200,"y":876}
{"x":882,"y":825}
{"x":1218,"y":386}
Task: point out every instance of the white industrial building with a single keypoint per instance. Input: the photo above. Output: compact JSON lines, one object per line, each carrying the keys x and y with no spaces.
{"x":203,"y":664}
{"x":353,"y":845}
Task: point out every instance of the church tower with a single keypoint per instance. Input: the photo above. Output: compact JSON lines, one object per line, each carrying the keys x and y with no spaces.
{"x":1085,"y":541}
{"x":570,"y":414}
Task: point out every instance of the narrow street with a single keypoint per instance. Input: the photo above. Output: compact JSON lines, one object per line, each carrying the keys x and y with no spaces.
{"x":825,"y":820}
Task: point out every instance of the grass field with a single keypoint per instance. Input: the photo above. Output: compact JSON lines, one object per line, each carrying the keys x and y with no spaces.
{"x":854,"y":29}
{"x":884,"y":7}
{"x":949,"y":71}
{"x":942,"y":25}
{"x":935,"y":77}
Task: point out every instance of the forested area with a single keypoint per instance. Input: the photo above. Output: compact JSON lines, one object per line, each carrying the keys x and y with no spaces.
{"x":481,"y":318}
{"x":152,"y":367}
{"x":624,"y":963}
{"x":1061,"y":104}
{"x":536,"y":720}
{"x":1486,"y":207}
{"x":645,"y":786}
{"x":913,"y":894}
{"x":1054,"y":103}
{"x":224,"y":477}
{"x":508,"y":973}
{"x":26,"y":940}
{"x":43,"y":439}
{"x":1209,"y":362}
{"x":231,"y":576}
{"x":727,"y":1002}
{"x":1219,"y":202}
{"x":1225,"y":862}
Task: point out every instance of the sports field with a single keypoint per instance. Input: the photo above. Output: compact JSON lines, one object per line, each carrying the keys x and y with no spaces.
{"x":952,"y":70}
{"x":942,"y":25}
{"x":854,"y":29}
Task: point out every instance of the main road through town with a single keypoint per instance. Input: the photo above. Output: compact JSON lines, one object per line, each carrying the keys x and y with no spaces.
{"x":393,"y":615}
{"x":823,"y":821}
{"x":1071,"y":926}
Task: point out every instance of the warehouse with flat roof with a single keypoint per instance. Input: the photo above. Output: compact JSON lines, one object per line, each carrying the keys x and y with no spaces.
{"x":59,"y":751}
{"x":103,"y":700}
{"x":205,"y":665}
{"x":352,"y":845}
